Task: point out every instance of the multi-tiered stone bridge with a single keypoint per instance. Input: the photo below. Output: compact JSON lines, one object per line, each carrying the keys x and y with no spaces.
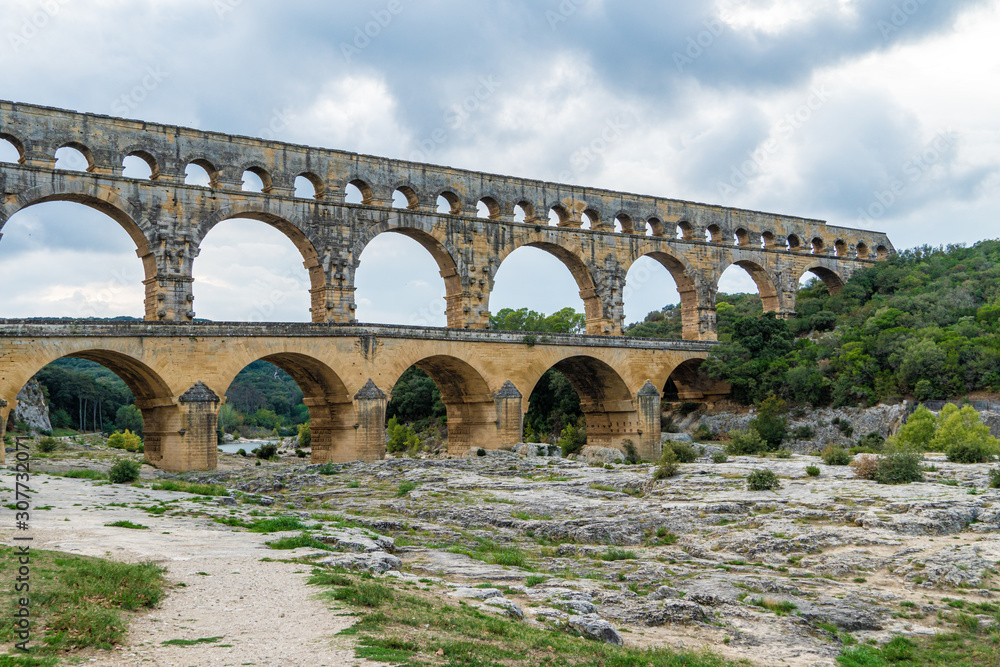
{"x":179,"y":369}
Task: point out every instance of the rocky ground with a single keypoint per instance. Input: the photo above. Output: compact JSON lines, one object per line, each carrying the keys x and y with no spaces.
{"x":778,"y":577}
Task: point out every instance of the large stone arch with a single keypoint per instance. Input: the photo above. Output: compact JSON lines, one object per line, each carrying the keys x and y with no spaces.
{"x":308,"y":245}
{"x":688,"y":281}
{"x":578,"y":268}
{"x":467,"y":396}
{"x":331,"y":410}
{"x":447,"y":257}
{"x":767,"y":284}
{"x":685,"y":382}
{"x":831,"y":278}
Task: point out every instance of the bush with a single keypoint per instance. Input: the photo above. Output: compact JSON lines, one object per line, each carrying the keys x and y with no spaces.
{"x":299,"y":453}
{"x":812,"y":471}
{"x":631,"y":453}
{"x":900,"y":468}
{"x":685,"y":451}
{"x":572,"y":439}
{"x":702,"y":433}
{"x":265,"y":452}
{"x":845,"y":426}
{"x":873,"y":442}
{"x":667,"y":466}
{"x":128,"y":441}
{"x":48,"y":445}
{"x":242,"y":452}
{"x":995,"y":478}
{"x":835,"y":456}
{"x":401,"y":437}
{"x":768,"y":423}
{"x":719,"y":457}
{"x":762,"y":480}
{"x":962,"y":436}
{"x":745,"y":443}
{"x":124,"y":471}
{"x":865,"y":466}
{"x":918,"y":431}
{"x":783,"y":454}
{"x":305,"y":435}
{"x":803,"y":432}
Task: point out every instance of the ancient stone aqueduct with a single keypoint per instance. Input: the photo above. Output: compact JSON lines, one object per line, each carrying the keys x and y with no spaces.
{"x":178,"y":369}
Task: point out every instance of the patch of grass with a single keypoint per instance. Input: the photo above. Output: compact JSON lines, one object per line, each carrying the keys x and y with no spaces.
{"x":615,"y":554}
{"x":407,"y":627}
{"x":779,"y":608}
{"x":81,"y":474}
{"x":191,"y":642}
{"x":127,"y":524}
{"x":534,"y":580}
{"x":303,"y":540}
{"x":276,"y":525}
{"x":405,"y":488}
{"x":188,"y":487}
{"x":78,"y":601}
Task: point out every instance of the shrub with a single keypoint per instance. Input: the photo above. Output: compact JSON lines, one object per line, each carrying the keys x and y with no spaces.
{"x":128,"y":441}
{"x":845,"y":426}
{"x":305,"y":435}
{"x":719,"y":457}
{"x":783,"y":454}
{"x":803,"y":432}
{"x":631,"y":453}
{"x":835,"y":456}
{"x":242,"y":452}
{"x":401,"y":437}
{"x":768,"y":423}
{"x":667,"y":466}
{"x":745,"y":443}
{"x":299,"y":453}
{"x":865,"y":466}
{"x":995,"y":478}
{"x":702,"y":433}
{"x":762,"y":480}
{"x":962,"y":436}
{"x":265,"y":452}
{"x":48,"y":445}
{"x":685,"y":451}
{"x":124,"y":471}
{"x":873,"y":442}
{"x":812,"y":471}
{"x":572,"y":439}
{"x":918,"y":431}
{"x":900,"y":468}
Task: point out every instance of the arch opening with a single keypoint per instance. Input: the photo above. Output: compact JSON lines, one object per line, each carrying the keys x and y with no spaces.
{"x":140,"y":166}
{"x":399,"y":281}
{"x":309,"y":186}
{"x":862,"y":250}
{"x":449,"y":203}
{"x":606,"y":406}
{"x":623,"y":224}
{"x":558,"y":216}
{"x":745,"y":289}
{"x":660,"y":299}
{"x":74,"y":157}
{"x":713,"y":234}
{"x":794,"y":243}
{"x":840,"y":248}
{"x":834,"y":283}
{"x":589,"y":220}
{"x":290,"y":394}
{"x":405,"y":197}
{"x":817,"y":246}
{"x":515,"y":283}
{"x":488,"y":208}
{"x":202,"y":173}
{"x":687,"y":383}
{"x":741,"y":237}
{"x":256,"y":180}
{"x":257,"y":268}
{"x":881,"y":252}
{"x":358,"y":192}
{"x":11,"y":149}
{"x":685,"y":231}
{"x":70,"y":258}
{"x":767,"y":240}
{"x":438,"y":400}
{"x":654,"y":227}
{"x":524,"y":212}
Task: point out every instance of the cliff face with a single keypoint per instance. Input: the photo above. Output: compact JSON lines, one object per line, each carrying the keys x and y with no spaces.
{"x":31,"y":407}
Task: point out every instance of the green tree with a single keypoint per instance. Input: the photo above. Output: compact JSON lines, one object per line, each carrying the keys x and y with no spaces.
{"x":962,"y":436}
{"x":753,"y":362}
{"x":918,"y":431}
{"x":129,"y":418}
{"x":769,"y":422}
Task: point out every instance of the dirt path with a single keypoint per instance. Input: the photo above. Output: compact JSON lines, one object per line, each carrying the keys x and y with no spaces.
{"x":264,"y":612}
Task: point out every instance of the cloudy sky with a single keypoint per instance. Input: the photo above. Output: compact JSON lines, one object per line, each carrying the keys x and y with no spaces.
{"x":804,"y":107}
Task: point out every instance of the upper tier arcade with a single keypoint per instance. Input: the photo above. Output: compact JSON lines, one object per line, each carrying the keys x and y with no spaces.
{"x":168,"y":220}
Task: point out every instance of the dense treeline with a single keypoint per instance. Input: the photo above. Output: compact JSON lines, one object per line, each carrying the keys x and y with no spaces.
{"x":922,"y":324}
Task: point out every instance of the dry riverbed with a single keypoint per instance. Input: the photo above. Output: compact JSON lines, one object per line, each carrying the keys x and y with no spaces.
{"x":696,"y":561}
